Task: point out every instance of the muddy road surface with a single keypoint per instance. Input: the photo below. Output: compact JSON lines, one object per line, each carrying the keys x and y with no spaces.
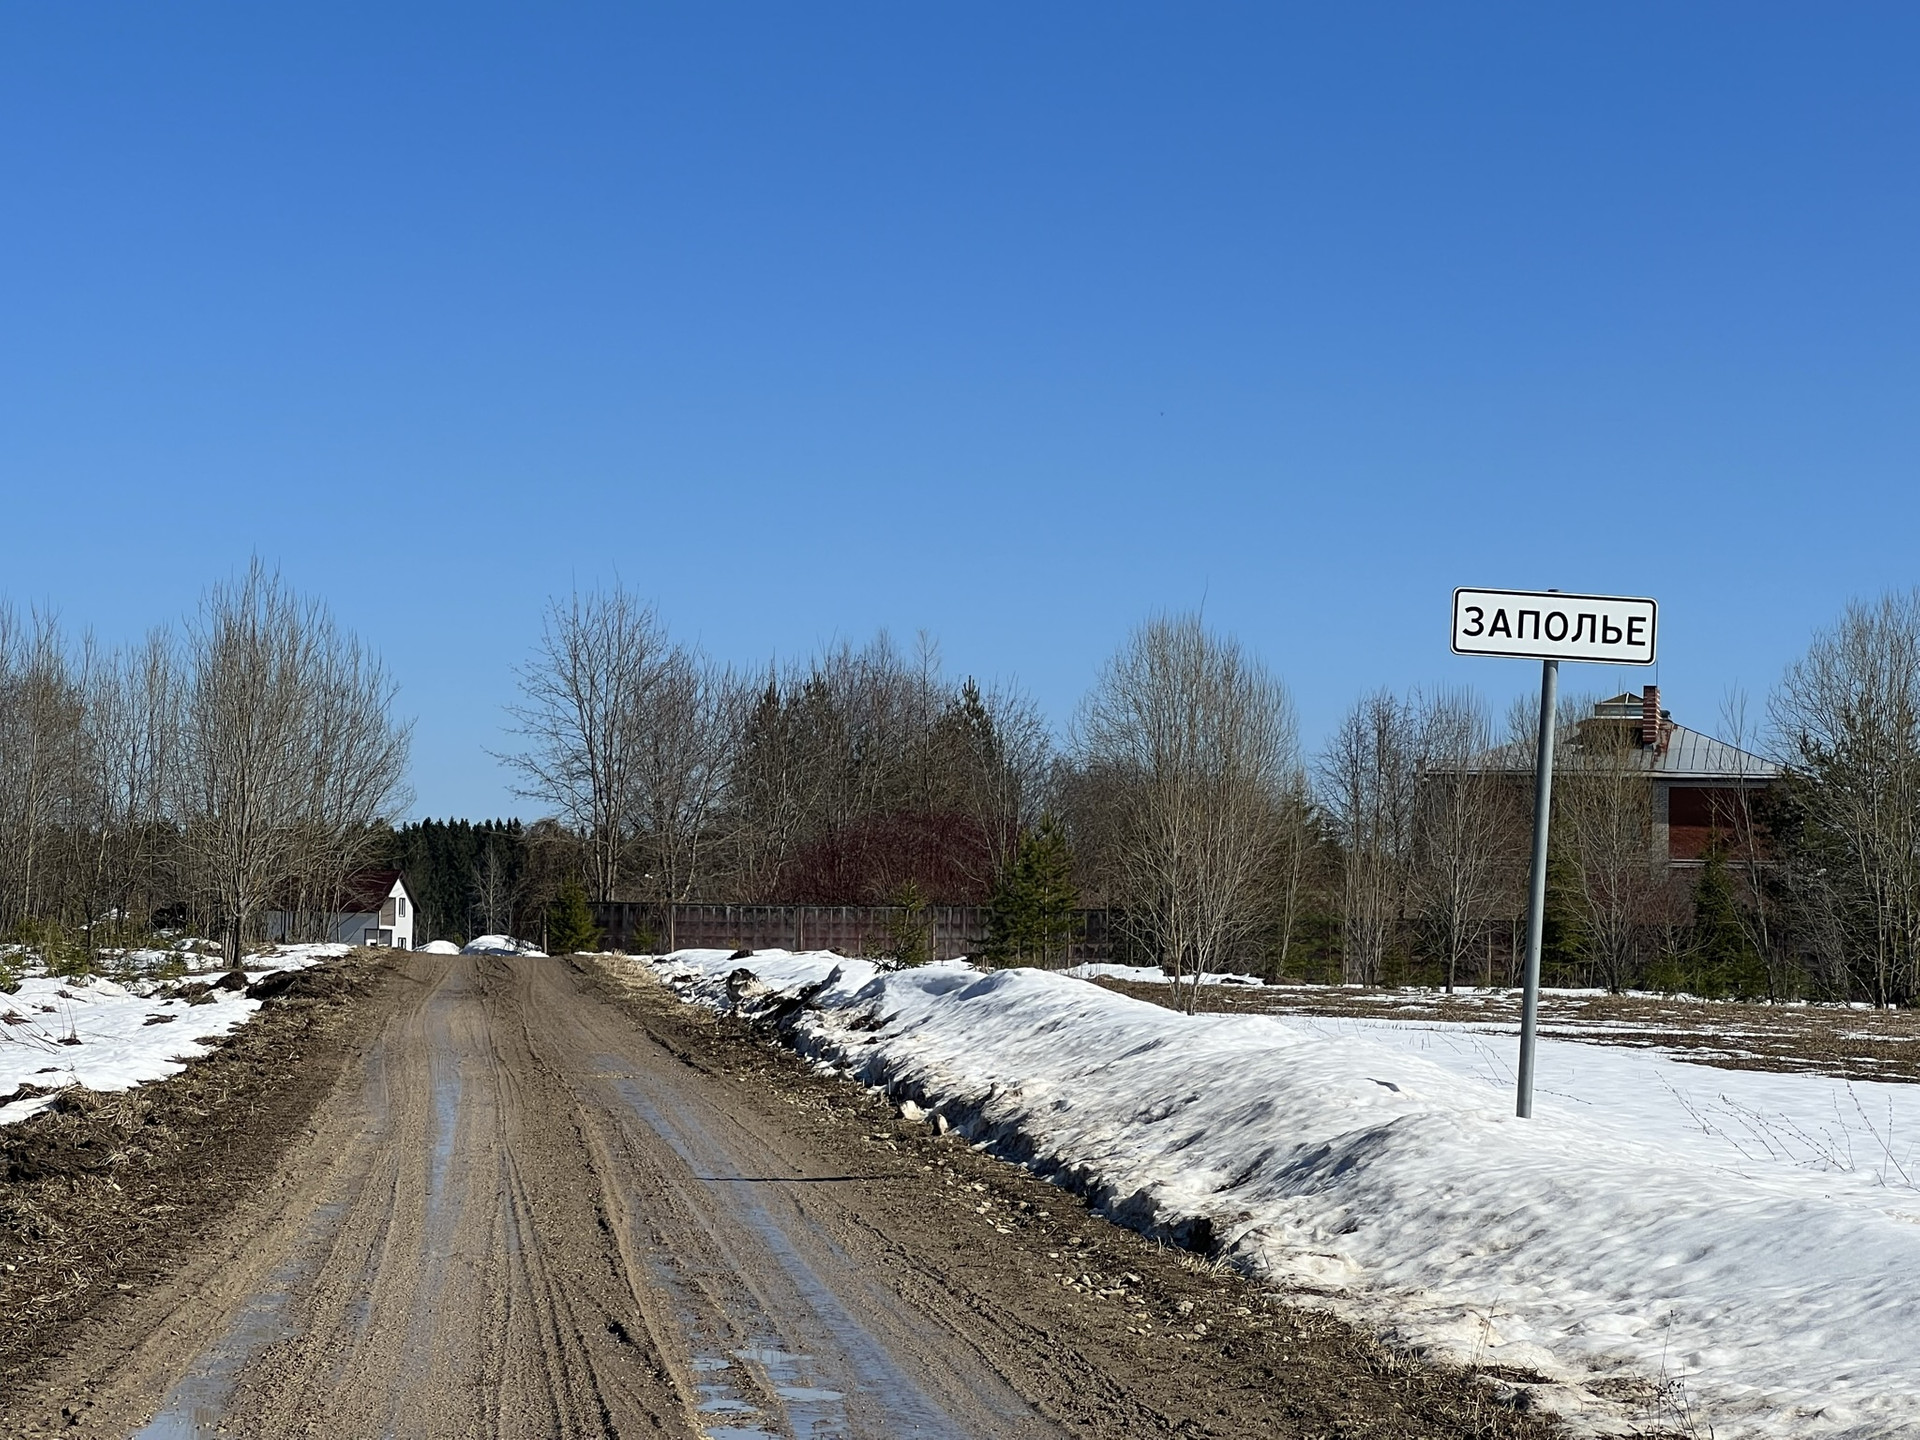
{"x":548,"y":1201}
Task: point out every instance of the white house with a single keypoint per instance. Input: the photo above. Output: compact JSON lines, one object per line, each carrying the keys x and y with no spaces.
{"x":376,"y":909}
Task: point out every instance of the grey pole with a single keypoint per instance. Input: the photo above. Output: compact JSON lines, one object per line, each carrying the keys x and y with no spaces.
{"x":1537,"y":890}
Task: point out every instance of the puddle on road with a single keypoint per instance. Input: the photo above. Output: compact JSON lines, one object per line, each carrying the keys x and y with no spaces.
{"x":445,"y":1203}
{"x":445,"y":1078}
{"x":196,"y":1405}
{"x":811,"y":1412}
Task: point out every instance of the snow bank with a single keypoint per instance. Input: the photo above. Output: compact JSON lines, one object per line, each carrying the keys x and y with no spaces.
{"x":1153,"y":975}
{"x":1603,"y":1240}
{"x":87,"y":1031}
{"x":500,"y":945}
{"x":438,"y":947}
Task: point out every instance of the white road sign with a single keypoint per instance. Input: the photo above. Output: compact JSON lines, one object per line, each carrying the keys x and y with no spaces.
{"x":1549,"y":625}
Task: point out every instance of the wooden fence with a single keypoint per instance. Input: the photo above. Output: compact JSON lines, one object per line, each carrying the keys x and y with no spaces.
{"x":945,"y":931}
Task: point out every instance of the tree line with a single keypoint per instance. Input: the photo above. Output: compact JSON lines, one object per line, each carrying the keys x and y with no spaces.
{"x":243,"y":763}
{"x":247,"y":762}
{"x":1181,"y":802}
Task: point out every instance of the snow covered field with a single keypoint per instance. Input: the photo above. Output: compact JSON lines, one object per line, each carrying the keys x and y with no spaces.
{"x":56,"y":1032}
{"x":1745,"y":1121}
{"x":1153,"y":975}
{"x":1748,"y":1242}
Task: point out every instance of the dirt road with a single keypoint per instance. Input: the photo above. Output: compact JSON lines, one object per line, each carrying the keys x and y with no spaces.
{"x":550,"y":1202}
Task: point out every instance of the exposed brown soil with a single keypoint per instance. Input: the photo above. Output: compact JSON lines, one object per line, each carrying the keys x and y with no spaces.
{"x":544,"y":1198}
{"x":106,"y":1193}
{"x":1733,"y":1035}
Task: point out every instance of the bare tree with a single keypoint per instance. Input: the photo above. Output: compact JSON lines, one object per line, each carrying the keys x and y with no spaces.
{"x":1461,"y":825}
{"x":354,"y":764}
{"x":1603,"y":814}
{"x":772,"y":804}
{"x":1749,"y":848}
{"x":225,"y":779}
{"x":1298,"y":832}
{"x":132,"y":725}
{"x":288,"y":750}
{"x":1199,"y":741}
{"x":1848,"y":718}
{"x":1367,"y":775}
{"x":496,"y":891}
{"x":694,"y":714}
{"x":588,"y":699}
{"x":42,"y":765}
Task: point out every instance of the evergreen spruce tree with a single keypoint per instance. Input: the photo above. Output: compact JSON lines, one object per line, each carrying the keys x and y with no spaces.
{"x":1563,"y":929}
{"x":1724,"y":958}
{"x":907,"y":934}
{"x":1030,"y":918}
{"x":570,"y":927}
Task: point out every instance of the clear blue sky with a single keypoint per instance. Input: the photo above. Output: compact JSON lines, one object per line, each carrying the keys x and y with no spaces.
{"x":1010,"y":322}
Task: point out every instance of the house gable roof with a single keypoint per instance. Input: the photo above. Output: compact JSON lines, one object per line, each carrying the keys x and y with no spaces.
{"x":367,"y":890}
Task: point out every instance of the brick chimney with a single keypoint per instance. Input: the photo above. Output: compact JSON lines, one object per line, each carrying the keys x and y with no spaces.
{"x":1653,"y":730}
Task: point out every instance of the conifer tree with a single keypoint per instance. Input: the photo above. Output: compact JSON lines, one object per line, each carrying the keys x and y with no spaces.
{"x":908,"y":939}
{"x":1724,"y":957}
{"x":1563,"y":931}
{"x":570,"y":927}
{"x":1031,"y":914}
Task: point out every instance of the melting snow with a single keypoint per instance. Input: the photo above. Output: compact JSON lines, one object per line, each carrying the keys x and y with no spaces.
{"x":1154,"y":975}
{"x":56,"y":1032}
{"x":501,"y":945}
{"x":1751,"y":1240}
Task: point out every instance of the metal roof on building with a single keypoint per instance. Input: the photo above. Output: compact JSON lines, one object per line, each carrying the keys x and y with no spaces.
{"x":1686,"y":755}
{"x":1693,"y":755}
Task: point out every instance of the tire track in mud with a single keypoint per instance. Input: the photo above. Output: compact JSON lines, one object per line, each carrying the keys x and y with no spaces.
{"x":770,"y":1327}
{"x":515,"y":1223}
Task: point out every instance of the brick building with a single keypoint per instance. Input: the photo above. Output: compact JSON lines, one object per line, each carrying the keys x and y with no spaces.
{"x":1700,"y":786}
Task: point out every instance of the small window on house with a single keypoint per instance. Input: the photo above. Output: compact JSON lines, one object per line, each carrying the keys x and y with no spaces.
{"x":403,"y":907}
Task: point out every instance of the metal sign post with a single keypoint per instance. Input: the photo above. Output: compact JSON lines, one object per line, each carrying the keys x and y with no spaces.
{"x":1550,"y":627}
{"x":1537,"y":882}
